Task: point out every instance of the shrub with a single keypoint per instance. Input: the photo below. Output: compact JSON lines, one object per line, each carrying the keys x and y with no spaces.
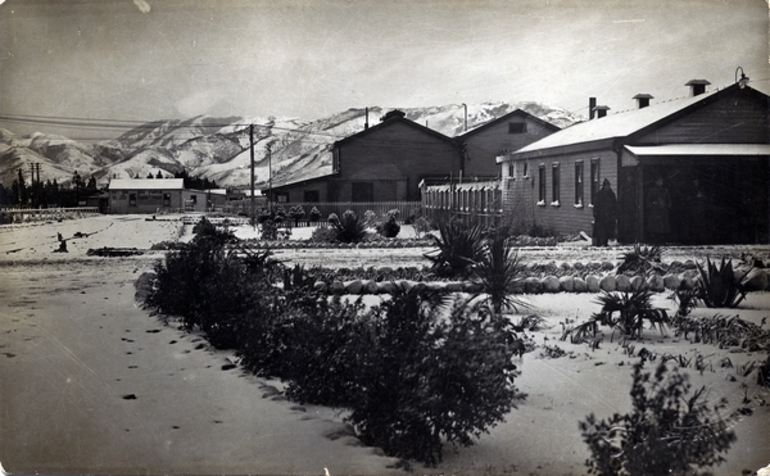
{"x":414,"y":215}
{"x":210,"y":288}
{"x":279,"y":216}
{"x":264,"y":215}
{"x":641,"y":260}
{"x":348,"y":228}
{"x":426,"y":376}
{"x":499,"y":273}
{"x":323,"y":234}
{"x":459,"y":247}
{"x":669,"y":431}
{"x":632,"y":308}
{"x":370,"y":218}
{"x":719,"y":286}
{"x":422,"y":226}
{"x":389,"y":228}
{"x":296,"y":213}
{"x":268,"y":230}
{"x":315,"y":214}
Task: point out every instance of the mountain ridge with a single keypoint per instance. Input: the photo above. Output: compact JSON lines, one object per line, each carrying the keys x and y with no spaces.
{"x":217,"y":148}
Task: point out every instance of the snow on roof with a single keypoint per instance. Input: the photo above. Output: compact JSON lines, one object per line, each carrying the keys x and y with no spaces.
{"x":146,"y":184}
{"x":701,"y":149}
{"x":615,"y":125}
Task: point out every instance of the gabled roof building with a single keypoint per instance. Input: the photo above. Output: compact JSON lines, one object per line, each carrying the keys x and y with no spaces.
{"x":709,"y":151}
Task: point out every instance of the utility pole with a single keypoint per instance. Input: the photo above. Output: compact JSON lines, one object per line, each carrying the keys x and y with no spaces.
{"x":270,"y":178}
{"x":465,"y":108}
{"x":251,"y":150}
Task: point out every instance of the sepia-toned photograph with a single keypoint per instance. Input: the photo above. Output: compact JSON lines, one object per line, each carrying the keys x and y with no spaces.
{"x":367,"y":237}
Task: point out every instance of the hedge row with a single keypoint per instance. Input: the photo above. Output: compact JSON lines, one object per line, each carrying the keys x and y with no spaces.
{"x":756,"y":280}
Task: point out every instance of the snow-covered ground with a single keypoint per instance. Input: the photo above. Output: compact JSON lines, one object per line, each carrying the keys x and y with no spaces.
{"x":91,"y":383}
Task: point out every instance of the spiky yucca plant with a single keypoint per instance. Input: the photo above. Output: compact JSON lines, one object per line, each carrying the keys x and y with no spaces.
{"x":499,"y":273}
{"x":348,"y":228}
{"x":628,"y":310}
{"x":719,"y":286}
{"x":641,"y":259}
{"x":458,"y":248}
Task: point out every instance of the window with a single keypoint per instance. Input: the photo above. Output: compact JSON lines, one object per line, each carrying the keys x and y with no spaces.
{"x":131,"y":199}
{"x":362,"y":192}
{"x":166,"y":199}
{"x":594,"y":179}
{"x":541,"y":185}
{"x":555,"y":184}
{"x":579,"y":184}
{"x":517,"y":127}
{"x":511,"y":170}
{"x":312,"y":196}
{"x":525,"y":171}
{"x":282,"y":197}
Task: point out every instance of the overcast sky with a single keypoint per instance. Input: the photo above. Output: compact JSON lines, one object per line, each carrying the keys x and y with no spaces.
{"x":143,"y":60}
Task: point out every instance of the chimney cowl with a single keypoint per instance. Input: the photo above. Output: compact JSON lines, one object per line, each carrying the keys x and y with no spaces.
{"x":643,"y":100}
{"x":601,"y":111}
{"x":697,"y":86}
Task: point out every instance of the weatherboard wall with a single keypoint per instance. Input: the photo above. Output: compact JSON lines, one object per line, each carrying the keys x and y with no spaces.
{"x":394,"y":158}
{"x":506,"y":134}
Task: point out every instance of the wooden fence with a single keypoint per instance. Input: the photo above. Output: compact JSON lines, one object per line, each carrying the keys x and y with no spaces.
{"x":25,"y":215}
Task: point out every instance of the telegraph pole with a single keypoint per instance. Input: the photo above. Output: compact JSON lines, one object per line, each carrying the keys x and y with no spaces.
{"x":251,"y":149}
{"x":270,"y":177}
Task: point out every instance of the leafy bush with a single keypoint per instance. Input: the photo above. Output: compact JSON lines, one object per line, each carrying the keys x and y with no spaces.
{"x":268,"y":230}
{"x":370,"y":218}
{"x":632,"y":308}
{"x":389,"y":228}
{"x":279,"y":215}
{"x":459,"y":248}
{"x":323,"y":234}
{"x":426,"y":377}
{"x":669,"y":431}
{"x":348,"y":228}
{"x":296,"y":213}
{"x":315,"y":214}
{"x":499,"y":273}
{"x":422,"y":226}
{"x":208,"y":287}
{"x":719,"y":286}
{"x":414,"y":215}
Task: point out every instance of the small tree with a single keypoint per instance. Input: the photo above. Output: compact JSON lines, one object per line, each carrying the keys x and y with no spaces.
{"x":296,"y":213}
{"x":315,"y":214}
{"x":669,"y":431}
{"x":499,"y":273}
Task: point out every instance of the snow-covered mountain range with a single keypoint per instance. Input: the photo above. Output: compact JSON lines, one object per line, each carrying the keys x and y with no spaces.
{"x":218,"y":148}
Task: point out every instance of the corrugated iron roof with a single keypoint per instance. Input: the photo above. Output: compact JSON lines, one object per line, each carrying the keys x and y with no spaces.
{"x":147,"y":184}
{"x":701,"y":149}
{"x":615,"y":125}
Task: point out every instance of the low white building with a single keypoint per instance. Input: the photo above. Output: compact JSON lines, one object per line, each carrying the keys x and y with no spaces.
{"x":154,"y":196}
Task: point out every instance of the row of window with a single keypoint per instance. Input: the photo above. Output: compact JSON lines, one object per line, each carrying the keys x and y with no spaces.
{"x":555,"y":174}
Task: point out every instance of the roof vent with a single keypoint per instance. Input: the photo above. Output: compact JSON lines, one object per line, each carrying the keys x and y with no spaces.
{"x":697,"y":86}
{"x":591,"y":106}
{"x":643,"y":100}
{"x":601,"y":111}
{"x":392,"y":114}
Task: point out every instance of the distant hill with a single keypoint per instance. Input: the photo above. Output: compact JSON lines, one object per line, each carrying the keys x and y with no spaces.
{"x":218,"y":148}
